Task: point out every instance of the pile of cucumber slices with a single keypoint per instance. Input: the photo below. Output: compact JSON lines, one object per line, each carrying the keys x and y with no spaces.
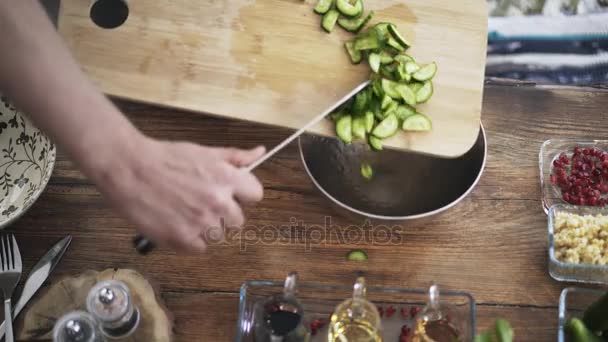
{"x":398,"y":84}
{"x":353,"y":19}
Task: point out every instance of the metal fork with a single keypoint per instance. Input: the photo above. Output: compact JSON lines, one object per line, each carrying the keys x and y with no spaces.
{"x":10,"y":272}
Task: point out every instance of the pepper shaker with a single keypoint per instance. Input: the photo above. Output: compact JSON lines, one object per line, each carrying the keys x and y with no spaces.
{"x":77,"y":326}
{"x":111,"y":305}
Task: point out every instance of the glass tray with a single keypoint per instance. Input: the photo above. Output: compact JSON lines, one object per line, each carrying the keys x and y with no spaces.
{"x":549,"y":150}
{"x":572,"y":303}
{"x":319,"y":302}
{"x":565,"y":271}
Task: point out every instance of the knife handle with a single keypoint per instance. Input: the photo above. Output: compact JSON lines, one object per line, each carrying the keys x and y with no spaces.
{"x":142,"y":245}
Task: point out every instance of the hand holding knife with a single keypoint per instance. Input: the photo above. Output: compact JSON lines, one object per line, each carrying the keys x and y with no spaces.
{"x":143,"y":246}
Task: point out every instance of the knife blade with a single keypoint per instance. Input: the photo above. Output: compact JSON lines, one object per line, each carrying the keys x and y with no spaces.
{"x":38,"y":275}
{"x":144,"y":246}
{"x":308,"y":126}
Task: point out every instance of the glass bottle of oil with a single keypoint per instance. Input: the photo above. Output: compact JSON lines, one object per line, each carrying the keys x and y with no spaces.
{"x":356,"y":319}
{"x":432,"y":325}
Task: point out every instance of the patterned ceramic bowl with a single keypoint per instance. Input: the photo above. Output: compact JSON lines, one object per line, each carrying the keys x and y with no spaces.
{"x":27,"y":158}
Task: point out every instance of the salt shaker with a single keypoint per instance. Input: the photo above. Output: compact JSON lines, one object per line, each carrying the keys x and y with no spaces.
{"x":77,"y":326}
{"x":111,"y":305}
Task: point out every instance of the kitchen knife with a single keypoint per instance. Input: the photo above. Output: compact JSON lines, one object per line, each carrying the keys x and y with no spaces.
{"x":143,"y":246}
{"x":38,"y":275}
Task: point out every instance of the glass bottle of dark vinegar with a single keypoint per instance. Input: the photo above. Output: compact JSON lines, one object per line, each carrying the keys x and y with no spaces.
{"x":281,"y":318}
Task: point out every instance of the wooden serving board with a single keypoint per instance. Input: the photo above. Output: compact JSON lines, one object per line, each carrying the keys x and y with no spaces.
{"x":269,"y":61}
{"x":70,"y":293}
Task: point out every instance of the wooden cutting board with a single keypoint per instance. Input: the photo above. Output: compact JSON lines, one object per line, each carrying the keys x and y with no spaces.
{"x":269,"y":61}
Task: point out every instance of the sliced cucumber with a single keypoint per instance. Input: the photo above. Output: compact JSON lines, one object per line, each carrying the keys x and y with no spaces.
{"x":391,"y":108}
{"x":388,"y":87}
{"x":416,"y":86}
{"x":426,"y":72}
{"x":336,"y":115}
{"x":368,"y":41}
{"x":379,"y":115}
{"x":394,"y":44}
{"x":370,"y":120}
{"x":377,"y":87}
{"x":323,"y":6}
{"x":411,"y":67}
{"x":361,"y":100}
{"x":375,"y":143}
{"x":407,"y":94}
{"x":355,"y":55}
{"x":355,"y":25}
{"x":392,"y":29}
{"x":357,"y":254}
{"x":386,"y":100}
{"x":382,"y":29}
{"x":404,"y":58}
{"x":402,"y":74}
{"x":385,"y":57}
{"x":417,"y":123}
{"x":387,"y":127}
{"x":344,"y":129}
{"x":348,"y":8}
{"x":425,"y":92}
{"x":404,"y":111}
{"x":388,"y":71}
{"x":374,"y":102}
{"x":381,"y":36}
{"x":358,"y":128}
{"x":374,"y":61}
{"x":366,"y":171}
{"x":329,"y":20}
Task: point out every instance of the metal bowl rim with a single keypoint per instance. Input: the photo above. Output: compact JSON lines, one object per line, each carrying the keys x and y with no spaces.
{"x":407,"y":217}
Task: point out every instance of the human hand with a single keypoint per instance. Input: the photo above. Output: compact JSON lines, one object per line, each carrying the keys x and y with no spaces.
{"x":175,"y":192}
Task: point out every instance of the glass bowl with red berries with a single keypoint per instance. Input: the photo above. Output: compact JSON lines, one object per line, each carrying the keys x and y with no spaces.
{"x":574,"y":172}
{"x":398,"y":308}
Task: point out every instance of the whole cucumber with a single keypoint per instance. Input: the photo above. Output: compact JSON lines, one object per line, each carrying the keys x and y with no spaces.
{"x":483,"y":337}
{"x":578,"y":332}
{"x":504,"y":332}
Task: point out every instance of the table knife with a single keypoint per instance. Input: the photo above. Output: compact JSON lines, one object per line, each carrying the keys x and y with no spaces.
{"x":143,"y":246}
{"x":38,"y":275}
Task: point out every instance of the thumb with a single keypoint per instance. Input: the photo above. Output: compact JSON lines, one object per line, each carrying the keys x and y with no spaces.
{"x":241,"y":158}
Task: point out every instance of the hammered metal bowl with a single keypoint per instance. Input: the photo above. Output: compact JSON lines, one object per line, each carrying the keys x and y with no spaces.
{"x":404,"y":186}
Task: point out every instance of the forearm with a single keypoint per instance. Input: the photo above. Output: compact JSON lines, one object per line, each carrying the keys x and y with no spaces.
{"x":40,"y":76}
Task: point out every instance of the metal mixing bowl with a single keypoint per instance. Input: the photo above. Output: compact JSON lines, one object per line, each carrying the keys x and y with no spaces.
{"x":405,"y":185}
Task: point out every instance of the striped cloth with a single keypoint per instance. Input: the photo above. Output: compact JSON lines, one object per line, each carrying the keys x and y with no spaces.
{"x":561,"y":49}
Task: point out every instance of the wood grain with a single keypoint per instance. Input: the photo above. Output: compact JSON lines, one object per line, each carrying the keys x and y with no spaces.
{"x":269,"y":61}
{"x":493,"y":244}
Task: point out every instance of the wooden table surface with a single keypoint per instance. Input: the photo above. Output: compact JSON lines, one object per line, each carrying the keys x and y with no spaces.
{"x":492,"y":244}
